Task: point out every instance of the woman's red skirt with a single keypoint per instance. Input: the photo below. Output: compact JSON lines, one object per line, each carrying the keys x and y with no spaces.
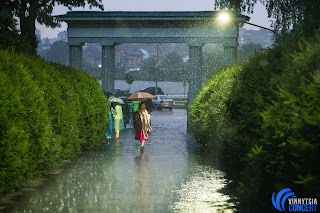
{"x":139,"y":134}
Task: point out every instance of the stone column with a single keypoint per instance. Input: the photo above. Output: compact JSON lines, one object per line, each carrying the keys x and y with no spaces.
{"x":195,"y":71}
{"x":108,"y":67}
{"x":75,"y":57}
{"x":231,"y":54}
{"x":194,"y":74}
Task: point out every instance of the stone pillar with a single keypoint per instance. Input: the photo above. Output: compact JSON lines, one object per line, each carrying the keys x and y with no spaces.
{"x":231,"y":54}
{"x":194,"y":74}
{"x":108,"y":67}
{"x":195,"y":71}
{"x":75,"y":57}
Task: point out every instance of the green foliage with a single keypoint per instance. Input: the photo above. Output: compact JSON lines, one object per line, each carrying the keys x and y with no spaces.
{"x":58,"y":53}
{"x":212,"y":62}
{"x":300,"y":15}
{"x":26,"y":132}
{"x":94,"y":106}
{"x":247,"y":50}
{"x":10,"y":40}
{"x":292,"y":122}
{"x":48,"y":113}
{"x":171,"y":68}
{"x":263,"y":117}
{"x":30,"y":12}
{"x":129,"y":78}
{"x":10,"y":37}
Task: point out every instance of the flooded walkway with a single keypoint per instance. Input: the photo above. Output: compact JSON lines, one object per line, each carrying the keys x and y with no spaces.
{"x":170,"y":176}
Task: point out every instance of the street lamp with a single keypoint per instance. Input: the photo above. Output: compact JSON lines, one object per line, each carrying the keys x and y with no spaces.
{"x":224,"y":18}
{"x":261,"y":27}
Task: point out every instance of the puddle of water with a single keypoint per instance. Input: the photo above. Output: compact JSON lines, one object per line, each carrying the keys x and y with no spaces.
{"x":201,"y":192}
{"x":167,"y":177}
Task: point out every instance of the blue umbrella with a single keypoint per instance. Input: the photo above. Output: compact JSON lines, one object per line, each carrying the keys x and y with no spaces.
{"x":113,"y":99}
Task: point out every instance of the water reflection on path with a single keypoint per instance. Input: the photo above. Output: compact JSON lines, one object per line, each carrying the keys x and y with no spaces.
{"x":170,"y":176}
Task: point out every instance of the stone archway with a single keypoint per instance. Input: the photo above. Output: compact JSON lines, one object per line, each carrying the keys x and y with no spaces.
{"x":195,"y":28}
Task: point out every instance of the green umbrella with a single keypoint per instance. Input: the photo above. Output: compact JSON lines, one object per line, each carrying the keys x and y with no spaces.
{"x":113,"y":99}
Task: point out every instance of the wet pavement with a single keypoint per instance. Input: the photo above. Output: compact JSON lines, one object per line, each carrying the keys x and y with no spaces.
{"x":170,"y":176}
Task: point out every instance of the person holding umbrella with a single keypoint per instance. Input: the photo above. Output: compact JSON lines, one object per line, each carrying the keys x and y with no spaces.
{"x":143,"y":126}
{"x":116,"y":117}
{"x":111,"y":122}
{"x":118,"y":120}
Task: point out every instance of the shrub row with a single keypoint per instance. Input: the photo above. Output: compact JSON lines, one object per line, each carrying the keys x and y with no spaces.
{"x":48,"y":113}
{"x":261,"y":118}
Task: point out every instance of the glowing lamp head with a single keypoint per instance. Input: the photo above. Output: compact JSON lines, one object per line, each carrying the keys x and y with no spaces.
{"x":224,"y":17}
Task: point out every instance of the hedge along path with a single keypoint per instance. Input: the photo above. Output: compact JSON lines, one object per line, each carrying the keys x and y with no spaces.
{"x":274,"y":109}
{"x":86,"y":89}
{"x":209,"y":114}
{"x":26,"y":130}
{"x":48,"y":113}
{"x":63,"y":105}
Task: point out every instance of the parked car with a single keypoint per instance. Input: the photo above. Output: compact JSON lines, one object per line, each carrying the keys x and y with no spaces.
{"x":162,"y":101}
{"x":152,"y":90}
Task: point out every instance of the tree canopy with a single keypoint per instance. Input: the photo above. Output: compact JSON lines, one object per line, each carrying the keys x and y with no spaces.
{"x":300,"y":15}
{"x":30,"y":11}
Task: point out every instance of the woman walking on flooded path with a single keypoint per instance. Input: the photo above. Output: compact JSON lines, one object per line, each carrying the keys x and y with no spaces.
{"x":143,"y":126}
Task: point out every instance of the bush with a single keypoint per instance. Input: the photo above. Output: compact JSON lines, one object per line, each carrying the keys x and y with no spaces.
{"x":291,"y":123}
{"x":262,"y":116}
{"x":210,"y":120}
{"x":48,"y":113}
{"x":26,"y":132}
{"x":21,"y":44}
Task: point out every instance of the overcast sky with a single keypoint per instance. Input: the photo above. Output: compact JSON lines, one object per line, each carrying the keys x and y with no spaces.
{"x":259,"y":17}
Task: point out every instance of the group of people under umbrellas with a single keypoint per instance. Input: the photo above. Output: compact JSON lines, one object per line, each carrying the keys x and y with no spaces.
{"x":140,"y":117}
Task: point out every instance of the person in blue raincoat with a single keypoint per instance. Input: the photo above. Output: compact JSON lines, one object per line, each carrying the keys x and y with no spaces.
{"x":118,"y":120}
{"x":111,"y":122}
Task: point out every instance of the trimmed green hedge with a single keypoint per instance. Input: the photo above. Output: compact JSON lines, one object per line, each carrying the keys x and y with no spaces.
{"x":48,"y":113}
{"x":261,"y":119}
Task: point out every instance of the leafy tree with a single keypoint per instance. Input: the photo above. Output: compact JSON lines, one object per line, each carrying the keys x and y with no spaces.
{"x":148,"y":67}
{"x":288,"y":14}
{"x":10,"y":37}
{"x":7,"y":22}
{"x":172,"y":67}
{"x":129,"y":79}
{"x":212,"y":62}
{"x":30,"y":11}
{"x":91,"y":59}
{"x":247,"y":50}
{"x":92,"y":54}
{"x":58,"y":53}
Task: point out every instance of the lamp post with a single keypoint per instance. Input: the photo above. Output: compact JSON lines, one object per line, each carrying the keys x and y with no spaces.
{"x":225,"y":18}
{"x":260,"y":27}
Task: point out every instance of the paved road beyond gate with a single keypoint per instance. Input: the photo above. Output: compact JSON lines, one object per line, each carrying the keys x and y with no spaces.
{"x":170,"y":176}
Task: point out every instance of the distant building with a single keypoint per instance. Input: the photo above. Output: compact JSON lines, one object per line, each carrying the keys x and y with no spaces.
{"x":128,"y":58}
{"x":62,"y":36}
{"x":38,"y":35}
{"x":262,"y":36}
